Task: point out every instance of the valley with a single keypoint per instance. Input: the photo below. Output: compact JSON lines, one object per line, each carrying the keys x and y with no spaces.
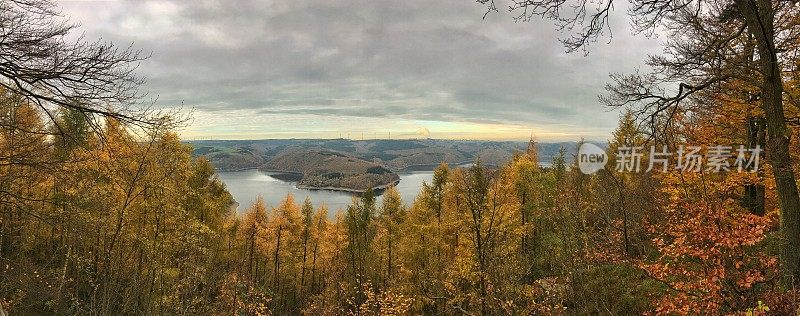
{"x":358,"y":165}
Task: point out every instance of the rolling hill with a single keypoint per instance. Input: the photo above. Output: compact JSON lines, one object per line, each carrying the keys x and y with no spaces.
{"x":327,"y":169}
{"x":359,"y":164}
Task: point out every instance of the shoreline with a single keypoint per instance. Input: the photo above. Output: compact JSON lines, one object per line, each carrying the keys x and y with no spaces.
{"x":381,"y":187}
{"x":234,"y":170}
{"x":328,"y":188}
{"x":432,"y":166}
{"x":279,"y":171}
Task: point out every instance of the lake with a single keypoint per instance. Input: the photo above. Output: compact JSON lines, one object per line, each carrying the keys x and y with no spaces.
{"x":246,"y":185}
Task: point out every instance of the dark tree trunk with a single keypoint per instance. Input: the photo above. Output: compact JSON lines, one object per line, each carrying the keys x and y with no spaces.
{"x":759,"y":17}
{"x":754,"y":192}
{"x":277,"y":261}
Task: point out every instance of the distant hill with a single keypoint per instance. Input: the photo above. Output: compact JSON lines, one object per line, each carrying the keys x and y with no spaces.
{"x":327,"y":169}
{"x":395,"y":155}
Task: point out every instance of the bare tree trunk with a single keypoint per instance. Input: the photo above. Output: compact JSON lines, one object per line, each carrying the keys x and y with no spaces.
{"x":524,"y":243}
{"x":754,"y":192}
{"x":314,"y":267}
{"x":482,"y":267}
{"x":305,"y":255}
{"x":389,"y":277}
{"x":277,"y":257}
{"x":250,"y":253}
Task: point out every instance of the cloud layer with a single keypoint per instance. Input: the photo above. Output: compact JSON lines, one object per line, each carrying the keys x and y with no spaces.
{"x":296,"y":68}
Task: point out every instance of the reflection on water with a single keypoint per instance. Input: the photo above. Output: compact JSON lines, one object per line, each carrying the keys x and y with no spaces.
{"x":246,"y":185}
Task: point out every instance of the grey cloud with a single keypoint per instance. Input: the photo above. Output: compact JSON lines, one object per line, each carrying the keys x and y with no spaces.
{"x":410,"y":59}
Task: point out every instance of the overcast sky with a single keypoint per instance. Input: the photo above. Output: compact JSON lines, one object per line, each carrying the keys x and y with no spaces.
{"x":331,"y":68}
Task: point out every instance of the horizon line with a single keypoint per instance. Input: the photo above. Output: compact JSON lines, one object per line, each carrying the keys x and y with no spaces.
{"x":389,"y":139}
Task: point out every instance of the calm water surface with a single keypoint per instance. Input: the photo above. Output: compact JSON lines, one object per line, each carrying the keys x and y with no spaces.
{"x":246,"y":185}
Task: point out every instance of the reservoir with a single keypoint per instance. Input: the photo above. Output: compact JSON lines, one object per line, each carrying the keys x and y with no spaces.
{"x":246,"y":185}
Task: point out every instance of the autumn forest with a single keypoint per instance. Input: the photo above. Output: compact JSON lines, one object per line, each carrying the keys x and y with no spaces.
{"x":104,"y":210}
